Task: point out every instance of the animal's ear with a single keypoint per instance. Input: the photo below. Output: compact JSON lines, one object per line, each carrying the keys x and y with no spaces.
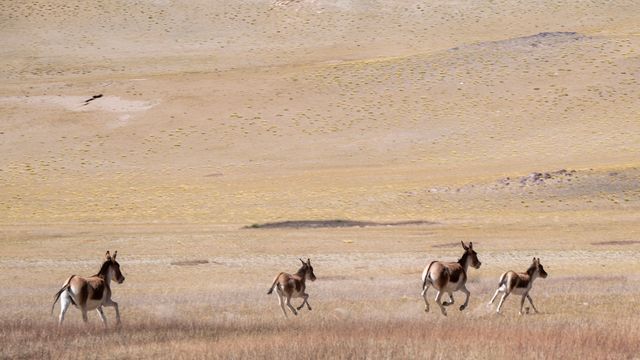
{"x":471,"y":245}
{"x":302,"y":261}
{"x":308,"y":261}
{"x":463,"y":245}
{"x":107,"y":256}
{"x":535,"y":260}
{"x":115,"y":253}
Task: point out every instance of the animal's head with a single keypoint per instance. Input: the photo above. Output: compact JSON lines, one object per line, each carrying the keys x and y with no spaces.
{"x":308,"y":269}
{"x":471,"y":254}
{"x":114,"y":266}
{"x":538,"y":268}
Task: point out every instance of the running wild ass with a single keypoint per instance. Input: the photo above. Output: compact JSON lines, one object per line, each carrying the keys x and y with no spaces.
{"x":292,"y":286}
{"x":91,"y":293}
{"x":519,"y":284}
{"x":447,"y":277}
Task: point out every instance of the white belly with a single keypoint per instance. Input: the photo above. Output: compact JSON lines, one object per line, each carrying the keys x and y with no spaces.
{"x":93,"y":304}
{"x":452,"y":286}
{"x":519,"y":291}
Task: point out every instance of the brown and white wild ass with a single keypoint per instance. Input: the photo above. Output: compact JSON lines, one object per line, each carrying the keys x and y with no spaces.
{"x":519,"y":284}
{"x":447,"y":277}
{"x":91,"y":293}
{"x":293,"y":286}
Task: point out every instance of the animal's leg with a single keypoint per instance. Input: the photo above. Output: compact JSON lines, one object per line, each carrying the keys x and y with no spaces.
{"x":531,"y":302}
{"x":466,"y":300}
{"x":424,"y":296}
{"x":305,"y":301}
{"x":84,"y":315}
{"x":451,"y":301}
{"x":65,"y":301}
{"x":293,"y":310}
{"x":281,"y":302}
{"x":522,"y":302}
{"x":115,"y":306}
{"x":504,"y":296}
{"x":494,"y":296}
{"x":110,"y":302}
{"x":102,"y":317}
{"x":439,"y":302}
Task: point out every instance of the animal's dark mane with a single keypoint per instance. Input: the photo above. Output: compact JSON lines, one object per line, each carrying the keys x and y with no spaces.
{"x":103,"y":269}
{"x":463,"y":259}
{"x":302,"y":271}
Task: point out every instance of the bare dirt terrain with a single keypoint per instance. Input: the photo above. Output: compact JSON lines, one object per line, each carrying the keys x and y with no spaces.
{"x":214,"y":143}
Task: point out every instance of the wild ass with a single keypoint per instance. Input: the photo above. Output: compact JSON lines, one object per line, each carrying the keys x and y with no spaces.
{"x":519,"y":284}
{"x":447,"y":277}
{"x":91,"y":293}
{"x":288,"y":286}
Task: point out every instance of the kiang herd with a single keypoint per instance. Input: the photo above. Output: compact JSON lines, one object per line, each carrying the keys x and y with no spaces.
{"x":94,"y":292}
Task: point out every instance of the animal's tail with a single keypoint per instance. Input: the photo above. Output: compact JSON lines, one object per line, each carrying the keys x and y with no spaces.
{"x":57,"y":295}
{"x":503,"y":278}
{"x":273,"y":285}
{"x":426,"y":276}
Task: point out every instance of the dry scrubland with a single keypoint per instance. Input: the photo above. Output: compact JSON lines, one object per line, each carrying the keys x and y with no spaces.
{"x":219,"y":116}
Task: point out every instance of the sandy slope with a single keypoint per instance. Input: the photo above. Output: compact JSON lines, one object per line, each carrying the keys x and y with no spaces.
{"x":320,"y":140}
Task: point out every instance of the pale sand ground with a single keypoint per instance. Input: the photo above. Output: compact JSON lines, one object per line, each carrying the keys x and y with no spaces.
{"x":217,"y":116}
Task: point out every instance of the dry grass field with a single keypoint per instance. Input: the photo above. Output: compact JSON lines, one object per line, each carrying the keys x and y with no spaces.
{"x":366,"y":301}
{"x":512,"y":124}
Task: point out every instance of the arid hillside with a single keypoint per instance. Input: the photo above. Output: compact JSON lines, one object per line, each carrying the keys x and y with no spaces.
{"x":195,"y":143}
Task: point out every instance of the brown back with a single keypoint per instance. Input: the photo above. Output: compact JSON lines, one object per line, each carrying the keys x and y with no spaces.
{"x":296,"y":282}
{"x":453,"y":272}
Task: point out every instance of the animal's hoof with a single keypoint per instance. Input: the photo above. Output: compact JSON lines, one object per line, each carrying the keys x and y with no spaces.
{"x":462,"y":307}
{"x":426,"y":310}
{"x":309,"y":309}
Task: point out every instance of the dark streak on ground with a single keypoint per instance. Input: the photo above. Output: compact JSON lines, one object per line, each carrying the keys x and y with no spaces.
{"x":447,"y":245}
{"x":617,"y":242}
{"x":189,"y":262}
{"x":312,"y":224}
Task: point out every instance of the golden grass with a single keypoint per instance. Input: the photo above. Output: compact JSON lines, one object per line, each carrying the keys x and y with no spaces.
{"x":366,"y":301}
{"x":312,"y":336}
